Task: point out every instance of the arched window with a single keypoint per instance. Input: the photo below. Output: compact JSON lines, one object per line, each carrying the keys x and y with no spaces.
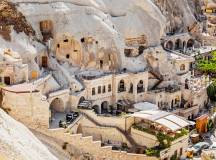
{"x":182,"y":67}
{"x":121,"y":86}
{"x":140,"y":87}
{"x":190,"y":43}
{"x":169,"y":45}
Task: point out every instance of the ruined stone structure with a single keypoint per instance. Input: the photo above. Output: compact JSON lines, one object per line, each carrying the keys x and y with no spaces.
{"x":178,"y":42}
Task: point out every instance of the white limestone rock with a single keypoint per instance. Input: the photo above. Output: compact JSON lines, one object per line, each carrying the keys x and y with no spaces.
{"x":17,"y":142}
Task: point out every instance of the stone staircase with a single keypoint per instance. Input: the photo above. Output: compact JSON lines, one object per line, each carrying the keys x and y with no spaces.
{"x":158,"y":76}
{"x":126,"y":134}
{"x":86,"y":145}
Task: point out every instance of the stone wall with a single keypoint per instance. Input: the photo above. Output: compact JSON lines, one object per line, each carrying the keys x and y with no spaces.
{"x":144,"y":139}
{"x":87,"y":145}
{"x":122,"y":122}
{"x":28,"y":108}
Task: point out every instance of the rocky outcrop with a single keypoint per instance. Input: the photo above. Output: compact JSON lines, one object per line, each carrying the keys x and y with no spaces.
{"x":10,"y":17}
{"x":179,"y":14}
{"x":17,"y":142}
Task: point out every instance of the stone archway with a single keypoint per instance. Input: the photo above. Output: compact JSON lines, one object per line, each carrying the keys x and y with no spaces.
{"x":81,"y":99}
{"x":57,"y":105}
{"x":96,"y":109}
{"x":121,"y":86}
{"x":190,"y":43}
{"x":104,"y":107}
{"x":178,"y":44}
{"x":140,"y":87}
{"x":169,"y":45}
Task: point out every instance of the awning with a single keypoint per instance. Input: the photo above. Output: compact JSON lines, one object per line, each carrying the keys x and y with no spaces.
{"x":166,"y":119}
{"x":84,"y":103}
{"x":143,"y":106}
{"x":125,"y":102}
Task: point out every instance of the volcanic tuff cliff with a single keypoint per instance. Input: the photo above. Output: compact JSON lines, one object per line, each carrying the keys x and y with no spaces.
{"x":10,"y":17}
{"x":108,"y":21}
{"x":17,"y":142}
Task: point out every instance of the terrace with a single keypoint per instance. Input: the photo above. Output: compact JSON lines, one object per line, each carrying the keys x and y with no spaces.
{"x":160,"y":129}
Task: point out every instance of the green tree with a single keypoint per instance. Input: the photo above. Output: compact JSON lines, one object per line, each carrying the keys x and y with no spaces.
{"x":211,"y":91}
{"x":207,"y":65}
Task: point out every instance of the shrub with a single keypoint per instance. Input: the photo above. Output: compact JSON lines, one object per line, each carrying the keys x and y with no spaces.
{"x":211,"y":91}
{"x":152,"y":152}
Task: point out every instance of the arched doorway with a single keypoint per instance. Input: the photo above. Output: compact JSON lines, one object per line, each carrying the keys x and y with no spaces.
{"x":182,"y":67}
{"x":121,"y":86}
{"x":104,"y":107}
{"x":186,"y":83}
{"x":178,"y":44}
{"x":96,"y":109}
{"x":169,"y":45}
{"x":140,"y":87}
{"x":56,"y":106}
{"x":190,"y":43}
{"x":7,"y":80}
{"x":81,"y":99}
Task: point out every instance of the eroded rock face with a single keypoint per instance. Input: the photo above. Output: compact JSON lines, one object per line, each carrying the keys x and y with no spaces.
{"x":110,"y":23}
{"x":179,"y":14}
{"x":10,"y":17}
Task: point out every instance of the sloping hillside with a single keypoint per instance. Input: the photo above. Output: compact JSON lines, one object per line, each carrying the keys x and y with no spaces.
{"x":17,"y":142}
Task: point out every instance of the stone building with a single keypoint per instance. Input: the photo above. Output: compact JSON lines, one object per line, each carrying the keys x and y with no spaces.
{"x":12,"y":69}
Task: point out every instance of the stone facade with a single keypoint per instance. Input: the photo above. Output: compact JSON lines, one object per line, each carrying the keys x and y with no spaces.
{"x":30,"y":108}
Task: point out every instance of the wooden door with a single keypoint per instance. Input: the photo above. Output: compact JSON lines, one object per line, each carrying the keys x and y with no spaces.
{"x":44,"y":62}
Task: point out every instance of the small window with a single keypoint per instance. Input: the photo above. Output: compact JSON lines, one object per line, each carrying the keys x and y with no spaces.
{"x":96,"y":42}
{"x":66,"y":40}
{"x":93,"y":91}
{"x":99,"y":89}
{"x":101,"y":63}
{"x":109,"y":57}
{"x":75,"y":50}
{"x":67,"y":56}
{"x":104,"y":89}
{"x":58,"y":45}
{"x":109,"y":88}
{"x":82,"y":40}
{"x":182,"y":67}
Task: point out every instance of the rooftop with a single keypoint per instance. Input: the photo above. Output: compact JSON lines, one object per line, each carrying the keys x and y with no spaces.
{"x":166,"y":119}
{"x":21,"y":88}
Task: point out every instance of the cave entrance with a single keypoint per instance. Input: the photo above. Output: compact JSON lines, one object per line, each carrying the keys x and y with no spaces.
{"x":44,"y":61}
{"x":7,"y":80}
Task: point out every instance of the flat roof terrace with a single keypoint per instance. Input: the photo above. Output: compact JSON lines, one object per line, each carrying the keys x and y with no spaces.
{"x":166,"y":119}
